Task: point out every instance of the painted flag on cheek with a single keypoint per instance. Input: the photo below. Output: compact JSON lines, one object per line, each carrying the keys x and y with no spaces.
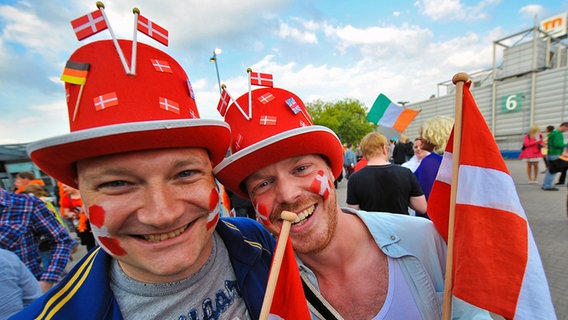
{"x":321,"y":185}
{"x":214,"y":209}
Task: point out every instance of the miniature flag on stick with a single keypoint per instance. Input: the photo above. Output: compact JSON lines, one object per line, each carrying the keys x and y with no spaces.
{"x":89,"y":24}
{"x":153,"y":30}
{"x":75,"y":72}
{"x":385,"y":113}
{"x":493,"y":261}
{"x":224,"y":102}
{"x":284,"y":297}
{"x":261,"y":79}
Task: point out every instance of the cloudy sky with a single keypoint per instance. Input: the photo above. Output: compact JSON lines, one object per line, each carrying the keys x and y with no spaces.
{"x":318,"y":49}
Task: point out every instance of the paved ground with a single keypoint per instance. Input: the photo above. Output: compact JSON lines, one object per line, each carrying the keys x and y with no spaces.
{"x":546,"y":212}
{"x":547,"y":215}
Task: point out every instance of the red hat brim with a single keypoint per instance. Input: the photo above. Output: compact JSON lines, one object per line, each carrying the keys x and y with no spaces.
{"x":57,"y":156}
{"x":233,"y":170}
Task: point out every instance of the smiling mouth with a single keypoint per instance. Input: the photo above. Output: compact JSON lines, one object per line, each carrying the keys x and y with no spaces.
{"x":165,"y":236}
{"x":304,"y":215}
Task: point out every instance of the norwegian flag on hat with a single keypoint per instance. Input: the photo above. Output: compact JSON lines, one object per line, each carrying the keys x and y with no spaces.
{"x":89,"y":24}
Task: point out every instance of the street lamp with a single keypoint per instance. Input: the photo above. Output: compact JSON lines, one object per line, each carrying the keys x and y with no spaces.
{"x":216,"y":52}
{"x":403,"y":103}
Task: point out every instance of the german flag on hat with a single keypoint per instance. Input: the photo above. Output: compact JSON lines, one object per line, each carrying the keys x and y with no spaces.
{"x":75,"y":72}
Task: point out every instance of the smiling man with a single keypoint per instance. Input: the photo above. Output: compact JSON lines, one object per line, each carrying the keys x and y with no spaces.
{"x":143,"y":162}
{"x":358,"y":265}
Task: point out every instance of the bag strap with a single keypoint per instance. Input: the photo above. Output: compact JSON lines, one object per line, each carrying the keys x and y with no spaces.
{"x":317,"y":302}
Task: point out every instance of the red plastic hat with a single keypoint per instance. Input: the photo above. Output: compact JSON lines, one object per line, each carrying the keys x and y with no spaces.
{"x":118,"y":112}
{"x":279,"y":128}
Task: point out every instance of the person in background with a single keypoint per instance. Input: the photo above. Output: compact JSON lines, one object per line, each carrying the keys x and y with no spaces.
{"x":556,"y":146}
{"x":24,"y":219}
{"x":24,"y":178}
{"x":45,"y":245}
{"x":436,"y":132}
{"x":18,"y":286}
{"x":419,"y":154}
{"x":72,"y":208}
{"x":349,"y":160}
{"x":357,"y":265}
{"x":382,"y":186}
{"x":402,"y":151}
{"x":144,"y":167}
{"x":544,"y":149}
{"x":532,"y":143}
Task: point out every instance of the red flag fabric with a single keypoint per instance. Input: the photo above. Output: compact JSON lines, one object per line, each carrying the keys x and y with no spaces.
{"x":261,"y":79}
{"x":152,"y":30}
{"x":89,"y":24}
{"x":496,"y":264}
{"x":289,"y":301}
{"x":223,"y":102}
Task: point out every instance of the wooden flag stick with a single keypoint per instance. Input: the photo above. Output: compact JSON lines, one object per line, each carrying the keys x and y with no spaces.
{"x":101,"y":7}
{"x":287,"y":219}
{"x":136,"y":12}
{"x":77,"y":102}
{"x":459,"y":79}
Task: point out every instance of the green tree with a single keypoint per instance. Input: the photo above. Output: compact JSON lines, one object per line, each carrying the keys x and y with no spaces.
{"x":347,"y":118}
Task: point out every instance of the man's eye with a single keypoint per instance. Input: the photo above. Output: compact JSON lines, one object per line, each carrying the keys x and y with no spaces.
{"x":113,"y":184}
{"x":259,"y":188}
{"x":187,"y":173}
{"x":301,"y":168}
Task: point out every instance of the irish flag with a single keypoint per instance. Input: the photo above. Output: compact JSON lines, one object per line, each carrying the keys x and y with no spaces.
{"x":495,"y":262}
{"x":385,"y":113}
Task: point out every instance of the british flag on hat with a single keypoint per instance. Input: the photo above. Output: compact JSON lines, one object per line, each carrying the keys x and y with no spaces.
{"x":273,"y":132}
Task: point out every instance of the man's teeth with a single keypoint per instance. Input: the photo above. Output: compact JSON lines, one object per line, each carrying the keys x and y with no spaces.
{"x":304,"y":214}
{"x":165,"y":236}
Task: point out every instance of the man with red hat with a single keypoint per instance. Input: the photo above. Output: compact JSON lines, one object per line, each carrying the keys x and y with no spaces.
{"x":356,"y":264}
{"x":143,"y":162}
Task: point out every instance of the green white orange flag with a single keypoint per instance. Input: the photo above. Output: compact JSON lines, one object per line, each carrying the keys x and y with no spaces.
{"x":496,"y":265}
{"x":385,"y":113}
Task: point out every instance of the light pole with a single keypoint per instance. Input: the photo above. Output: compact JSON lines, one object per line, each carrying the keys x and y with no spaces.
{"x":403,"y":103}
{"x":216,"y":52}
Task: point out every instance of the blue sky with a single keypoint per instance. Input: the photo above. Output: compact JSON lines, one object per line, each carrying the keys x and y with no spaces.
{"x":318,"y":49}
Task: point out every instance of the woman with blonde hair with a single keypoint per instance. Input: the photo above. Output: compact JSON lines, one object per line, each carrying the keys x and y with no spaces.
{"x":532,"y":143}
{"x":435,"y":133}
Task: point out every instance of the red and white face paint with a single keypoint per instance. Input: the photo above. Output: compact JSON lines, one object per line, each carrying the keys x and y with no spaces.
{"x":97,"y":218}
{"x":262,"y":213}
{"x":321,"y":185}
{"x":214,"y":208}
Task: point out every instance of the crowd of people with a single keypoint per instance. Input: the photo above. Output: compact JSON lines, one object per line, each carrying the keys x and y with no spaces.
{"x":141,"y":191}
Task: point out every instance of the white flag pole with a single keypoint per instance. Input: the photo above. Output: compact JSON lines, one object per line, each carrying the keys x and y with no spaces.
{"x":101,"y":7}
{"x":136,"y":12}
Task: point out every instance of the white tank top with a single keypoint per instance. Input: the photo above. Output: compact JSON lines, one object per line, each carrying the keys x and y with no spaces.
{"x":399,"y":303}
